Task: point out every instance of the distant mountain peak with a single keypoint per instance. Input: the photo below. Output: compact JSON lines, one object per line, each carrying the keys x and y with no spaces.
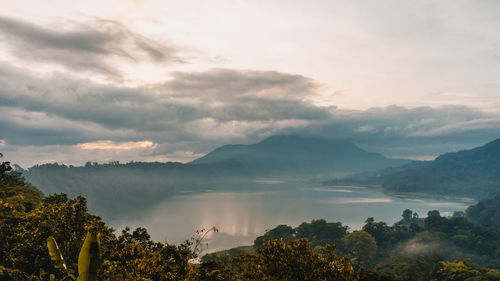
{"x":300,"y":155}
{"x":279,"y":139}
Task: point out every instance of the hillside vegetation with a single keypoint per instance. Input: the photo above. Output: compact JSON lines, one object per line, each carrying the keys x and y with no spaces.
{"x":413,"y":249}
{"x":115,"y":188}
{"x":434,"y":248}
{"x":471,"y":173}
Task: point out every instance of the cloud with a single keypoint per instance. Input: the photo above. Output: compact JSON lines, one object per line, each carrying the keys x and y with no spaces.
{"x":27,"y":156}
{"x":107,"y":145}
{"x":228,"y":95}
{"x":221,"y":106}
{"x":231,"y":84}
{"x":198,"y":111}
{"x":366,"y":129}
{"x":95,"y":47}
{"x":164,"y":108}
{"x":409,"y":132}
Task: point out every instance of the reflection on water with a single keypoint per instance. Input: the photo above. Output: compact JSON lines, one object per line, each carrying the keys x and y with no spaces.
{"x":242,"y":216}
{"x":365,"y":200}
{"x":326,"y":189}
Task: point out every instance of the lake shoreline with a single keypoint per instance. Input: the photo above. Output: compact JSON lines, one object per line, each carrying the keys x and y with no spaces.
{"x":411,"y":195}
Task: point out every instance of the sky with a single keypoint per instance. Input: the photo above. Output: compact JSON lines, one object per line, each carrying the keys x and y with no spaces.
{"x":148,"y":80}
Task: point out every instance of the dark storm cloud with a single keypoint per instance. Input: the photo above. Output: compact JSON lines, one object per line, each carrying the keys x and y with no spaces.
{"x":86,"y":47}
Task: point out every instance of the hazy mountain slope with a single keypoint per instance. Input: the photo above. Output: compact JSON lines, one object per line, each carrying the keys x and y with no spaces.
{"x":292,"y":155}
{"x":472,"y":173}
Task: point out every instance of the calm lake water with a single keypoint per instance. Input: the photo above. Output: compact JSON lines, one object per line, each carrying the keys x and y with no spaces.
{"x":242,"y":216}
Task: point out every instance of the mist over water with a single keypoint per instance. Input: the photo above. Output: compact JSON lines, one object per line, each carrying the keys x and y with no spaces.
{"x":242,"y":216}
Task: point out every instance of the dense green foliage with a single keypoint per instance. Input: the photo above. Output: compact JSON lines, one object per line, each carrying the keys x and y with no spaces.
{"x":27,"y":220}
{"x":430,"y":248}
{"x":465,"y":246}
{"x":31,"y":224}
{"x":485,"y":212}
{"x":463,"y":269}
{"x":319,"y":232}
{"x":224,"y":257}
{"x":470,"y":173}
{"x":89,"y":259}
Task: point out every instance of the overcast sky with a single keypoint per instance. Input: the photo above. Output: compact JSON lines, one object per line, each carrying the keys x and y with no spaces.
{"x":162,"y":80}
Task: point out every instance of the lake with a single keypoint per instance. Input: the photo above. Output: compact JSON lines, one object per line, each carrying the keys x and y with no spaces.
{"x":242,"y":216}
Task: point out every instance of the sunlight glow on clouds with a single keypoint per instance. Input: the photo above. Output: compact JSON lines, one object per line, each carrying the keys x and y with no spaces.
{"x":116,"y":146}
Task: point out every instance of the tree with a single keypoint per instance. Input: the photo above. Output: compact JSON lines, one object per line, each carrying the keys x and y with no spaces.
{"x":379,"y":230}
{"x":292,"y":261}
{"x":360,"y":248}
{"x":486,"y":212}
{"x":4,"y":166}
{"x":407,"y":215}
{"x":435,"y":222}
{"x":67,"y":220}
{"x":284,"y":232}
{"x":320,"y":232}
{"x":409,"y":268}
{"x":370,"y":275}
{"x":464,"y":269}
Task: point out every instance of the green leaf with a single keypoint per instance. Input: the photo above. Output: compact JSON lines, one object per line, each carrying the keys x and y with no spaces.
{"x":57,"y":257}
{"x":55,"y":253}
{"x":89,"y":260}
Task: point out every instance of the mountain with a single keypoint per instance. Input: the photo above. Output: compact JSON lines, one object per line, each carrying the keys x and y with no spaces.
{"x":300,"y":156}
{"x":116,"y":188}
{"x":472,"y":173}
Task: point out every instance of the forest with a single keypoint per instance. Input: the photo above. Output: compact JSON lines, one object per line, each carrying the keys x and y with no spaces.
{"x":470,"y":173}
{"x":465,"y":246}
{"x":135,"y":184}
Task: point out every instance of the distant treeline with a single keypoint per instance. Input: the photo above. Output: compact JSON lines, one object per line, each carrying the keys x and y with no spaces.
{"x":115,"y":188}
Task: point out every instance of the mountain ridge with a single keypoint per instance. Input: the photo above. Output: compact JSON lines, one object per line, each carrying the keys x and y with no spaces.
{"x":471,"y":173}
{"x":300,"y":155}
